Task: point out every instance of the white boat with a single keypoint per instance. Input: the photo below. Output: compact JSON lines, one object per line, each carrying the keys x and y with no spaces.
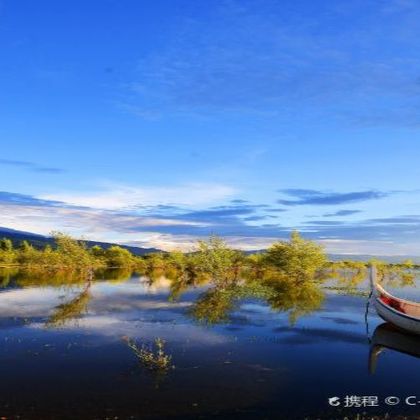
{"x":402,"y":313}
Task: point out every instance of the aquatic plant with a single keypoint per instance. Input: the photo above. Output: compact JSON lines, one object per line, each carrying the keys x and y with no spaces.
{"x":152,"y":357}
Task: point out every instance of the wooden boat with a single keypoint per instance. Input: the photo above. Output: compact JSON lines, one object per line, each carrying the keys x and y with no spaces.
{"x":388,"y":337}
{"x":400,"y":312}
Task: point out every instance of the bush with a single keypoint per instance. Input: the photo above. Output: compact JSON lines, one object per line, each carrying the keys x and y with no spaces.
{"x":297,"y":258}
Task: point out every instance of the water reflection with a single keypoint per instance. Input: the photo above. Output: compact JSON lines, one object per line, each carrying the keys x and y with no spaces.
{"x":72,"y":309}
{"x":263,"y":341}
{"x":219,"y":300}
{"x":388,"y":337}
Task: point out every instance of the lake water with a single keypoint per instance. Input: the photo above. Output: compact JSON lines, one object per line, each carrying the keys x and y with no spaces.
{"x":71,"y":361}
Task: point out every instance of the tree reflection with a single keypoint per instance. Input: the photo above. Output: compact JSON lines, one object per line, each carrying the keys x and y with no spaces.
{"x":6,"y":276}
{"x":34,"y":277}
{"x":396,"y":275}
{"x":351,"y":274}
{"x":43,"y":278}
{"x":217,"y":303}
{"x":72,"y":309}
{"x":298,"y":299}
{"x":115,"y":275}
{"x":348,"y":274}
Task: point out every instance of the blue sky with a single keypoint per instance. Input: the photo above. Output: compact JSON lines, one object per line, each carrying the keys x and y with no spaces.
{"x":157,"y":123}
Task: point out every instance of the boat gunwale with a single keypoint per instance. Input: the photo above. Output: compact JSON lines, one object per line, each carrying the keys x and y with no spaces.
{"x":383,"y":291}
{"x":390,"y":308}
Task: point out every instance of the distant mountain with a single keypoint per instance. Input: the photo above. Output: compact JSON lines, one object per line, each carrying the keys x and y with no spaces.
{"x":40,"y":241}
{"x":387,"y":258}
{"x":360,"y":257}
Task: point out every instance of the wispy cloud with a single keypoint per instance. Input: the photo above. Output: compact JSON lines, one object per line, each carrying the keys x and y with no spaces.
{"x":340,"y":213}
{"x":304,"y":197}
{"x":255,"y":57}
{"x":325,"y":223}
{"x":31,"y":166}
{"x":120,"y":197}
{"x":168,"y":226}
{"x":26,"y":200}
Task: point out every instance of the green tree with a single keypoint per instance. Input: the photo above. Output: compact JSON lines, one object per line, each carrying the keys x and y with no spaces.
{"x":97,"y":251}
{"x":216,"y":259}
{"x":297,"y":258}
{"x":117,"y":256}
{"x":27,"y":254}
{"x":72,"y":253}
{"x":7,"y":253}
{"x":6,"y":244}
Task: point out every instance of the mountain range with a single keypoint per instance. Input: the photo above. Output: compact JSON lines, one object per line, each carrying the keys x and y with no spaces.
{"x":40,"y":241}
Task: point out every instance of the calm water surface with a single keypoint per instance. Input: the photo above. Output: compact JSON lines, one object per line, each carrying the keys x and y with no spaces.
{"x":70,"y":361}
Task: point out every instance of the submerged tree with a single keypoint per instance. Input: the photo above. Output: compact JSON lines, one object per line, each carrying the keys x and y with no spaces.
{"x":73,"y":252}
{"x":117,"y":256}
{"x":217,"y":260}
{"x":7,"y":253}
{"x":297,"y":258}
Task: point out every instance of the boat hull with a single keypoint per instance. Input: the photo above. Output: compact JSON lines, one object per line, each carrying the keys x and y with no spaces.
{"x":402,"y":313}
{"x":399,"y":319}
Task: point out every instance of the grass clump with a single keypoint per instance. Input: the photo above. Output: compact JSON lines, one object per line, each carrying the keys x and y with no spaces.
{"x":152,"y":357}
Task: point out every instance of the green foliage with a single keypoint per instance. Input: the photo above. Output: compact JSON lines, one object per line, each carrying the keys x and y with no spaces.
{"x":256,"y":264}
{"x":72,"y":252}
{"x":97,"y":251}
{"x":67,"y":254}
{"x":27,"y":254}
{"x":6,"y":244}
{"x":119,"y":257}
{"x":217,"y":260}
{"x":297,"y":258}
{"x":7,"y":253}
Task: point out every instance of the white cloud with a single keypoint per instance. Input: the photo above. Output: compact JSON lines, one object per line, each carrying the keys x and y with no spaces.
{"x":120,"y":197}
{"x":186,"y":243}
{"x":127,"y":311}
{"x":94,"y":224}
{"x":113,"y":226}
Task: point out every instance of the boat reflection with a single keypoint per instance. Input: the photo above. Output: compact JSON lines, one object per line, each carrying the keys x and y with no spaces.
{"x":389,"y":337}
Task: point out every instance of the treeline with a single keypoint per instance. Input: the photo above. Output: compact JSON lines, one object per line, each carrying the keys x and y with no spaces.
{"x":67,"y":254}
{"x":288,"y":275}
{"x":213,"y":260}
